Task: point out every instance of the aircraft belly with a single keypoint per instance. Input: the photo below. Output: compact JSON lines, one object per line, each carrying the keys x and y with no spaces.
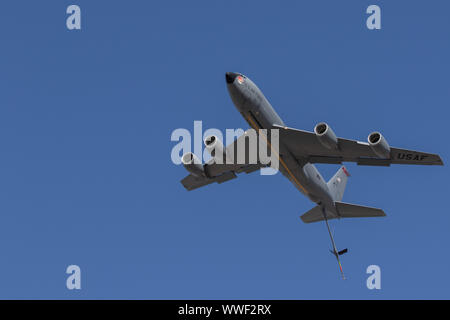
{"x":292,"y":170}
{"x":260,"y":115}
{"x":306,"y":178}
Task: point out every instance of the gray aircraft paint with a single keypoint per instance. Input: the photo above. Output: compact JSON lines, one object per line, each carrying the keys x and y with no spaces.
{"x":298,"y":150}
{"x":251,"y":102}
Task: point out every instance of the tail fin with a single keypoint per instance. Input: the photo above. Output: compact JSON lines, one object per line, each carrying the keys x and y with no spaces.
{"x":337,"y":184}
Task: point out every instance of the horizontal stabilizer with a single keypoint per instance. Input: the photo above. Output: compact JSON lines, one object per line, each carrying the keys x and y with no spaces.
{"x":313,"y":215}
{"x":347,"y":210}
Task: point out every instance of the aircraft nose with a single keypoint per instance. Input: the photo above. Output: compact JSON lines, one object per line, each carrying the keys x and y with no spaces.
{"x":230,"y":76}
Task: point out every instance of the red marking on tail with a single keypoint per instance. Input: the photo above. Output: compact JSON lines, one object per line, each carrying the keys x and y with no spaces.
{"x":346,"y":172}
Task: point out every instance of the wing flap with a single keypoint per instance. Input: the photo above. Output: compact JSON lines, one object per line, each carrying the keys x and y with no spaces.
{"x":192,"y":182}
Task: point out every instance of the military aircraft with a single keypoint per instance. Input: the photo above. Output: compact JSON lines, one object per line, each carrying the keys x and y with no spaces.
{"x":297,"y":152}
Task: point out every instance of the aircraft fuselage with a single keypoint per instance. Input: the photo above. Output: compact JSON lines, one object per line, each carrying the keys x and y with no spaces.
{"x":259,"y":113}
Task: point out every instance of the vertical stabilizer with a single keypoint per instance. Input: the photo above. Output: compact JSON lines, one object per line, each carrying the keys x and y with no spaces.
{"x":337,"y":184}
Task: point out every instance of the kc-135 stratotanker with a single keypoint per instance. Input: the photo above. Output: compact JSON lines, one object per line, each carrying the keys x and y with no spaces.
{"x":297,"y":152}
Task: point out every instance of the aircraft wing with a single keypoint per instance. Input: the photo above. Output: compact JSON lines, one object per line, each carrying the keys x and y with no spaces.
{"x":220,"y":173}
{"x":305,"y":145}
{"x":192,"y":182}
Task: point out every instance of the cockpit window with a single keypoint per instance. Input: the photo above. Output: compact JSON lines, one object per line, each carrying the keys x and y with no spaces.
{"x":240,"y":79}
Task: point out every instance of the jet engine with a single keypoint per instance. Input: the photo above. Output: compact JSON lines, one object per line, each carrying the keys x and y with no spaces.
{"x":192,"y":164}
{"x":379,"y":145}
{"x":216,"y":149}
{"x":326,"y":136}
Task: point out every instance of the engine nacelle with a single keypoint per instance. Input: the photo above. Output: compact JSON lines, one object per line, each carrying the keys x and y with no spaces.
{"x":326,"y":136}
{"x":216,"y":149}
{"x":192,"y":164}
{"x":379,"y":145}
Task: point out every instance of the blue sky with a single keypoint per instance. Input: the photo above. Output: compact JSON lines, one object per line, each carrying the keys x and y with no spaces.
{"x":86,"y":176}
